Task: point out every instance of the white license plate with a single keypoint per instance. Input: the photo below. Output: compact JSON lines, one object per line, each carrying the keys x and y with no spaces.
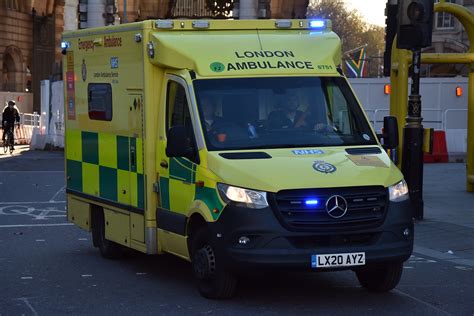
{"x":338,"y":260}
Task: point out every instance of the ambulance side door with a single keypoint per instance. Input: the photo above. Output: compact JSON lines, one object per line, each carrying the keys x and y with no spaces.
{"x":177,"y":174}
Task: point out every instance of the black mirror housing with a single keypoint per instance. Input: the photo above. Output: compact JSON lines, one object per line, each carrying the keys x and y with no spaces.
{"x":179,"y":145}
{"x":390,"y":132}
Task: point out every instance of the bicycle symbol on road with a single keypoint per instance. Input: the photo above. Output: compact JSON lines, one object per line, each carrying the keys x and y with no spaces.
{"x":36,"y":213}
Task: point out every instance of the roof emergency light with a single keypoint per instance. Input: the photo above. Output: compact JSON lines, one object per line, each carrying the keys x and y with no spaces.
{"x":164,"y":24}
{"x":283,"y":24}
{"x":65,"y":45}
{"x":201,"y":24}
{"x":317,"y":24}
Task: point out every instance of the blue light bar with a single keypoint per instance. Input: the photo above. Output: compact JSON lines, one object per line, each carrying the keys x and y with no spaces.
{"x":317,"y":24}
{"x":311,"y":202}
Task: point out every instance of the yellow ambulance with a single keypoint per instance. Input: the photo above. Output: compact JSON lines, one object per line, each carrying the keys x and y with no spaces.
{"x":237,"y":145}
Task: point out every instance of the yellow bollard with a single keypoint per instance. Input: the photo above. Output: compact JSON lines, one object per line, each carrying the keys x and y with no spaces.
{"x":401,"y":60}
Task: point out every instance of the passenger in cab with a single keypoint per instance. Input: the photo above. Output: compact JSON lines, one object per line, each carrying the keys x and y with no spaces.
{"x":211,"y":120}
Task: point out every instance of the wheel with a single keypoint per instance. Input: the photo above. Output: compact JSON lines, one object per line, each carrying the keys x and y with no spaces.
{"x":213,"y":281}
{"x":108,"y":249}
{"x":381,"y":278}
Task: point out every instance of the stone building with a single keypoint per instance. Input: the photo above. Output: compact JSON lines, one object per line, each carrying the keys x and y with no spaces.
{"x":449,"y":36}
{"x":29,"y":33}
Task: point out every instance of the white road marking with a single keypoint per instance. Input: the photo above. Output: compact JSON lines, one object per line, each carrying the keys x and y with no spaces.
{"x":32,"y":171}
{"x":25,"y":300}
{"x":40,"y":240}
{"x":140,"y":273}
{"x":57,"y":193}
{"x":86,"y":275}
{"x":82,"y":239}
{"x":27,"y":278}
{"x":41,"y":202}
{"x":36,"y":225}
{"x":416,"y":259}
{"x":420,"y":301}
{"x":407,"y":267}
{"x":463,"y":268}
{"x":37,"y":214}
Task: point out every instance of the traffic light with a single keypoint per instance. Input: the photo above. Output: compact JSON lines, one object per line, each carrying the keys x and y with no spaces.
{"x":391,"y":12}
{"x":110,"y":11}
{"x":82,"y":14}
{"x":415,"y":23}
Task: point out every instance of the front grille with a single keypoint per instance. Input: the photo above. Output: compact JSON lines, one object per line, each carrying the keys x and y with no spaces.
{"x":339,"y":240}
{"x":366,"y":208}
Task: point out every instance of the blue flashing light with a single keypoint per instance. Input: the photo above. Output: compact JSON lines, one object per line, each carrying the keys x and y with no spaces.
{"x":317,"y":24}
{"x":65,"y":45}
{"x":311,"y":202}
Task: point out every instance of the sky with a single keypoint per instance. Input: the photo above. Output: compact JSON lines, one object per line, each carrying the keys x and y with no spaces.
{"x":372,"y":10}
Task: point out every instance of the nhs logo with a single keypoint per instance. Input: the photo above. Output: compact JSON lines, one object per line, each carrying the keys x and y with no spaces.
{"x":302,"y":152}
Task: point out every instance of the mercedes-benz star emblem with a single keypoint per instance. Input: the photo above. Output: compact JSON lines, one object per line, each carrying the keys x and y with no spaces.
{"x":336,"y":206}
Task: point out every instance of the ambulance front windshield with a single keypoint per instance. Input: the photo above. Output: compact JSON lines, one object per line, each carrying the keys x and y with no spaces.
{"x":282,"y":112}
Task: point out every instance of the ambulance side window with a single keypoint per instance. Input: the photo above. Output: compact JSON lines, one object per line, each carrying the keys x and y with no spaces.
{"x":177,"y":110}
{"x":99,"y":100}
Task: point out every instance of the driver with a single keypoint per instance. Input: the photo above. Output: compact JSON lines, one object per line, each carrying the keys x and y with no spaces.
{"x":288,"y":116}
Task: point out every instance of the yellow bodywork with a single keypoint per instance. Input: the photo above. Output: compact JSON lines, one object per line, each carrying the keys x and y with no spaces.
{"x":115,"y":158}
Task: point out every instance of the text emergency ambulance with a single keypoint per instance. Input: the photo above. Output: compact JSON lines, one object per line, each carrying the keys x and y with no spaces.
{"x":236,"y":145}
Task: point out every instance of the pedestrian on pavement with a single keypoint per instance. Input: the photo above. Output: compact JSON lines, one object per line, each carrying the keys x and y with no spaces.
{"x":10,"y":115}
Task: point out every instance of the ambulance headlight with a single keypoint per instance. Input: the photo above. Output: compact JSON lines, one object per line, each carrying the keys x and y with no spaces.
{"x":317,"y":24}
{"x":398,"y":192}
{"x":249,"y":198}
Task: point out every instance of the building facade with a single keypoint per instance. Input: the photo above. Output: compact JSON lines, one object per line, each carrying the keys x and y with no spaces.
{"x":29,"y":31}
{"x":449,"y":36}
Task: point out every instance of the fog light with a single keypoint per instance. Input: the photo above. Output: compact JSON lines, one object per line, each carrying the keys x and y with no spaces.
{"x":406,"y":232}
{"x":243,"y":241}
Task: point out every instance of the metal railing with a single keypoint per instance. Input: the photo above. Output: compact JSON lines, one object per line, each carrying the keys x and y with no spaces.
{"x":30,"y":119}
{"x":435,"y":120}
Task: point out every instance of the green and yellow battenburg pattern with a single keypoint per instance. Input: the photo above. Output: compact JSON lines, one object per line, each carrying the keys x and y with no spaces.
{"x":184,"y":171}
{"x":106,"y":166}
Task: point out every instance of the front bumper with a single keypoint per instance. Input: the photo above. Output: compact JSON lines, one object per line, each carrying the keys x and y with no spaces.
{"x":271,"y":245}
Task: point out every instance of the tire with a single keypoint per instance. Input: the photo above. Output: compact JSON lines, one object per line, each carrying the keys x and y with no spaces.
{"x":213,"y":281}
{"x":381,"y":278}
{"x":108,"y":249}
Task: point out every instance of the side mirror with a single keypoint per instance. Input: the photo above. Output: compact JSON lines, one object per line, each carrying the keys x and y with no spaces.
{"x":179,"y":145}
{"x":390,"y":132}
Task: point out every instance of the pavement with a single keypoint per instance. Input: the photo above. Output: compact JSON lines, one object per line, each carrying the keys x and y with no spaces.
{"x":446,"y":232}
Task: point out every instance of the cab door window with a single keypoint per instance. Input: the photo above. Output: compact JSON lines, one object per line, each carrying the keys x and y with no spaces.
{"x":177,"y":108}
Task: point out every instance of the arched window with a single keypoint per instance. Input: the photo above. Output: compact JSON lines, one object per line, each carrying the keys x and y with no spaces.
{"x":12,"y":69}
{"x":9,"y":73}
